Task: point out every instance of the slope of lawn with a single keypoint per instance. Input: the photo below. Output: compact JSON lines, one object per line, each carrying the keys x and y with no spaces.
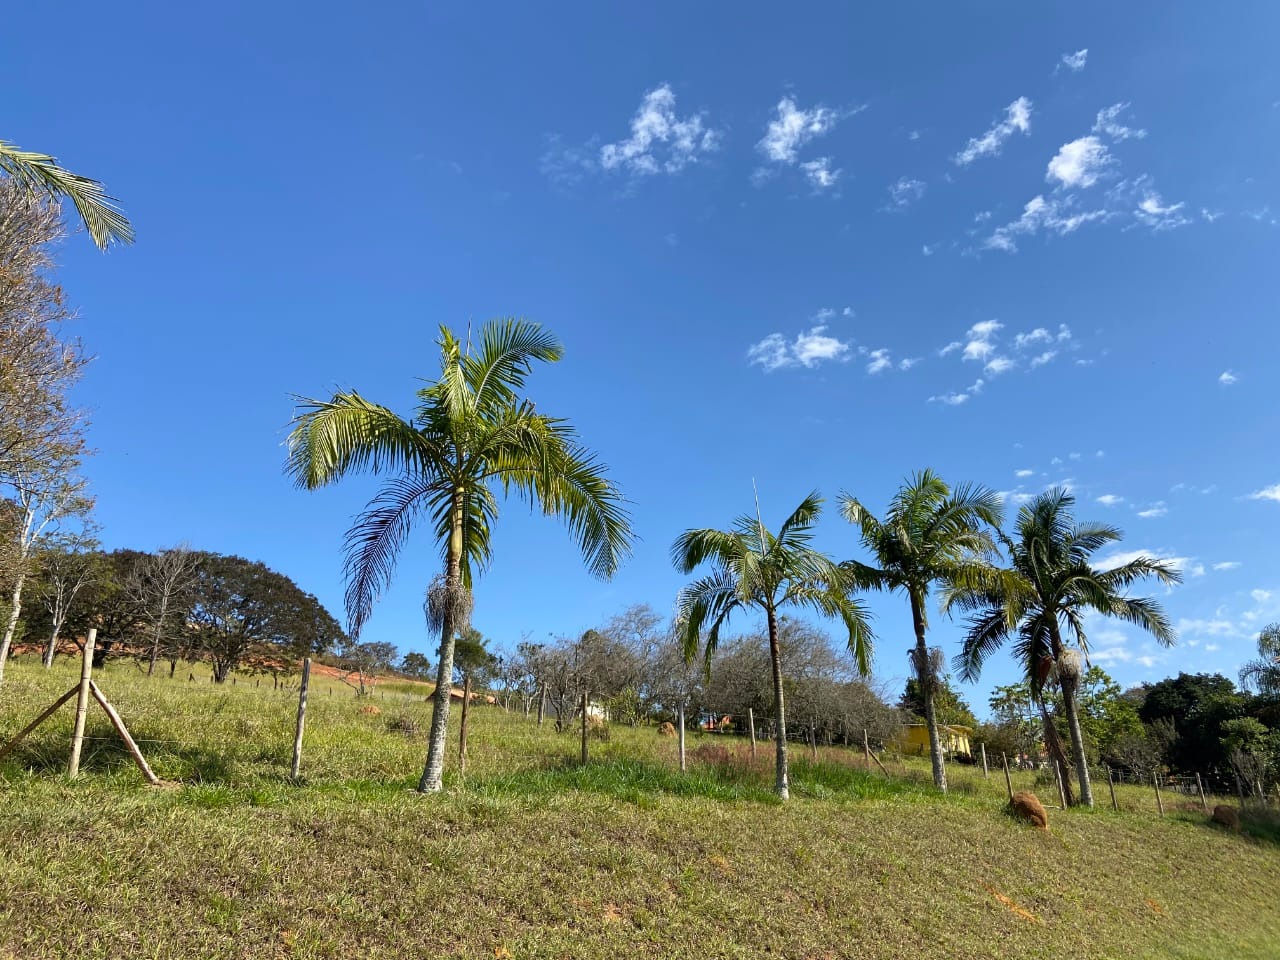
{"x":535,"y":855}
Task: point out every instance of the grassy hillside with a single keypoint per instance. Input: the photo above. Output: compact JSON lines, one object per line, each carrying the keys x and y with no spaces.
{"x":536,"y":856}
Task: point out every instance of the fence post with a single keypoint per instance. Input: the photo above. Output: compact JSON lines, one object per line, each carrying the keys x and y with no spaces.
{"x":1204,"y":801}
{"x":1111,"y":785}
{"x":986,"y":774}
{"x":680,"y":737}
{"x":302,"y":718}
{"x":813,"y":743}
{"x":866,"y":749}
{"x":1008,"y":781}
{"x":1057,"y":775}
{"x":1155,"y":779}
{"x":751,"y":726}
{"x":82,"y":704}
{"x":462,"y":725}
{"x":584,"y":726}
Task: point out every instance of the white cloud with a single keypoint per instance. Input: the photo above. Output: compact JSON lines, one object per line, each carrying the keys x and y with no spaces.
{"x":1212,"y":647}
{"x":1260,"y":596}
{"x":1217,"y":627}
{"x":905,"y":192}
{"x":1041,"y":214}
{"x":810,"y":348}
{"x":1017,"y":119}
{"x":820,"y":174}
{"x":998,"y":365}
{"x":1267,"y":493}
{"x":1040,"y":359}
{"x":962,"y":396}
{"x":660,"y":141}
{"x":1227,"y":565}
{"x":879,"y":361}
{"x":1038,"y":335}
{"x":793,"y":128}
{"x":1185,"y":565}
{"x":1110,"y":500}
{"x":1110,"y":655}
{"x":1107,"y":123}
{"x":980,"y":345}
{"x":566,"y":165}
{"x":1079,"y":163}
{"x":927,"y":250}
{"x":1157,"y":509}
{"x":906,"y":363}
{"x":1227,"y":378}
{"x":951,"y":347}
{"x":1152,"y":211}
{"x":1023,"y":473}
{"x":1075,"y":61}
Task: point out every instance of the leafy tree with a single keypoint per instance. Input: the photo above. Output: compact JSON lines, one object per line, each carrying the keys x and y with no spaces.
{"x":416,"y":665}
{"x":1263,"y":674}
{"x":243,"y":613}
{"x":1051,"y":582}
{"x":949,"y":707}
{"x":931,"y":534}
{"x":471,"y":434}
{"x":1197,"y":706}
{"x":471,"y":656}
{"x":364,"y":661}
{"x":753,"y":568}
{"x":38,"y":176}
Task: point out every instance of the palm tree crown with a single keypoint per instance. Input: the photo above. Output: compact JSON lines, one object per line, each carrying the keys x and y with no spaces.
{"x":1263,"y":674}
{"x":39,"y":173}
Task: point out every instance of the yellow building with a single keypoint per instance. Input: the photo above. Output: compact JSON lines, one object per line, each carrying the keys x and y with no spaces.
{"x":913,"y":739}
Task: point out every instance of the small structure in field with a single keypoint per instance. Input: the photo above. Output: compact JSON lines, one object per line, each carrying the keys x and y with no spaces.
{"x":666,"y":729}
{"x":1226,"y":816}
{"x":1025,"y":805}
{"x":913,"y":739}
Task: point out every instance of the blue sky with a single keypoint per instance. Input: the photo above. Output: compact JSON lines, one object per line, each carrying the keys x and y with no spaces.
{"x":820,"y":248}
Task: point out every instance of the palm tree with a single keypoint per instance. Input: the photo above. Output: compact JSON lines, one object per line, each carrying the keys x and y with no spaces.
{"x":931,"y":534}
{"x":754,"y":568}
{"x":1051,"y":582}
{"x":471,"y":437}
{"x":1263,"y":674}
{"x":39,"y":173}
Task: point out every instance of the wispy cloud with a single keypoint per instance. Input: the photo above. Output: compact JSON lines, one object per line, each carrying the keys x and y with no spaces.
{"x":960,"y":396}
{"x":1017,"y":119}
{"x":661,"y":141}
{"x":1153,"y":212}
{"x":1227,"y":565}
{"x":1075,"y":61}
{"x":1157,"y":509}
{"x":1267,"y":493}
{"x":1227,"y":378}
{"x":1024,"y":473}
{"x":1110,"y":500}
{"x":1107,"y":122}
{"x":1055,"y":216}
{"x":810,"y":348}
{"x":905,"y":192}
{"x":789,"y":130}
{"x":1188,"y":566}
{"x":1079,"y":163}
{"x":819,"y":173}
{"x":980,"y":344}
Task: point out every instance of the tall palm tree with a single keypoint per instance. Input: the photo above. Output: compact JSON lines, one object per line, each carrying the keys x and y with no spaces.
{"x":471,"y":437}
{"x":1263,"y":674}
{"x":754,"y":568}
{"x":39,"y":173}
{"x":931,"y":534}
{"x":1051,"y":582}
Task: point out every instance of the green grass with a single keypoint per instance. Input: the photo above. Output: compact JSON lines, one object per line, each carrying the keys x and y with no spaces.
{"x":535,"y":855}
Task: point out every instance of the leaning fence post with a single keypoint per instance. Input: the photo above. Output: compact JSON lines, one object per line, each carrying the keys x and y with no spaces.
{"x":680,"y":736}
{"x":866,"y":749}
{"x":1155,"y":779}
{"x":986,"y":774}
{"x":751,"y":726}
{"x":1204,"y":801}
{"x":1008,"y":781}
{"x":82,"y":704}
{"x":1111,"y":785}
{"x":1062,"y":792}
{"x":302,"y":718}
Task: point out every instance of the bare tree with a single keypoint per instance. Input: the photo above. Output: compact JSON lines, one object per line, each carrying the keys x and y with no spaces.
{"x":67,"y":567}
{"x":160,"y":586}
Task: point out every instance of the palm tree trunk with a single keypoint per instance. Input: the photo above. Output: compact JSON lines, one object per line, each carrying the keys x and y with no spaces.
{"x":11,"y":627}
{"x":924,"y":672}
{"x":433,"y":771}
{"x":1053,"y":745}
{"x":1068,"y":685}
{"x":782,"y":783}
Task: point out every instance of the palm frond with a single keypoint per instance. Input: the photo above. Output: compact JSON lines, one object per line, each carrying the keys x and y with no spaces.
{"x":331,"y":438}
{"x":40,"y":173}
{"x":508,"y":348}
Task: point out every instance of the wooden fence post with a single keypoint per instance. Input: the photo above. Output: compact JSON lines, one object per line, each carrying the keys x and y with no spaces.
{"x":1204,"y":801}
{"x":462,"y":725}
{"x":986,"y":774}
{"x":680,"y":737}
{"x":1111,"y":785}
{"x":1062,"y":792}
{"x":82,"y":704}
{"x":1008,"y":782}
{"x":1155,"y":780}
{"x":813,"y":743}
{"x":129,"y":744}
{"x":302,"y":718}
{"x":751,"y":726}
{"x":584,"y":726}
